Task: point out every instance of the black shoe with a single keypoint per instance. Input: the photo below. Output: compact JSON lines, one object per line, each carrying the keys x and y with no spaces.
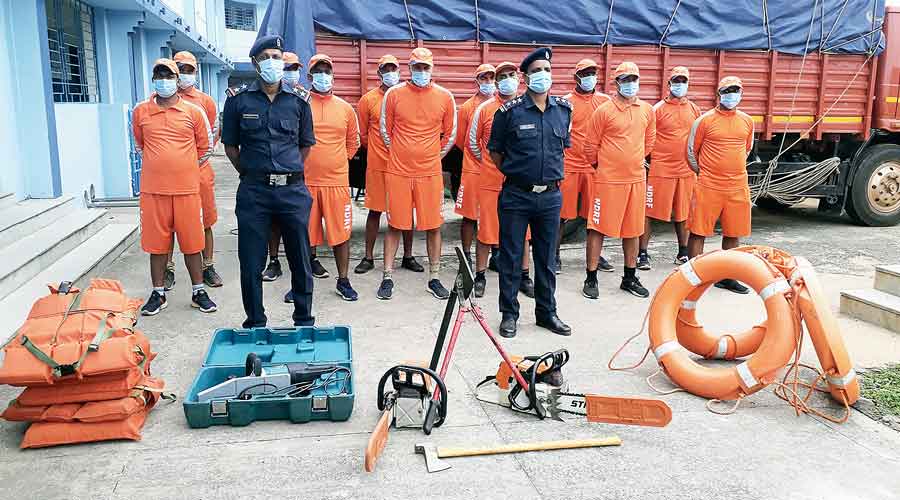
{"x":643,"y":262}
{"x":480,"y":285}
{"x":555,"y":325}
{"x":732,"y":286}
{"x":680,"y":259}
{"x":385,"y":290}
{"x":155,"y":304}
{"x":526,"y":286}
{"x":211,"y":277}
{"x":200,"y":300}
{"x":412,"y":264}
{"x":345,"y":290}
{"x":605,"y":266}
{"x":634,"y":287}
{"x":590,"y":289}
{"x":558,"y":264}
{"x":437,"y":289}
{"x":508,"y":327}
{"x":273,"y":271}
{"x":364,"y":266}
{"x":169,"y":279}
{"x":492,"y":263}
{"x":318,"y":270}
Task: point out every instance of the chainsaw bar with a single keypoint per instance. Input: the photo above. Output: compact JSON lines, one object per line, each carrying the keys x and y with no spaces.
{"x":610,"y":410}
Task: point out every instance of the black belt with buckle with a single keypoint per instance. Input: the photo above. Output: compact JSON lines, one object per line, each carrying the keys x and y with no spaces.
{"x":273,"y":179}
{"x":534,"y":188}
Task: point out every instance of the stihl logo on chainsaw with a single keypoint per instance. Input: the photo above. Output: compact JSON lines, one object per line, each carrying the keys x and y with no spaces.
{"x":578,"y":404}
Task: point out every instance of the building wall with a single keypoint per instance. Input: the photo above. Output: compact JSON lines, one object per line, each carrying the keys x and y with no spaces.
{"x":11,"y":179}
{"x":80,"y":147}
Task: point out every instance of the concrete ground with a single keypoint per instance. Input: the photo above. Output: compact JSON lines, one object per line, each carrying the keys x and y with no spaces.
{"x":762,"y":451}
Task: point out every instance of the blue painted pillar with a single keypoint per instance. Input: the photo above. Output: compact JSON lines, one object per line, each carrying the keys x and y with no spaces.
{"x":115,"y":67}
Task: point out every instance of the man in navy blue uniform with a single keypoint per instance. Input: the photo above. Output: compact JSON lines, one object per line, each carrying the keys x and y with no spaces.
{"x":528,"y":136}
{"x":267,"y":130}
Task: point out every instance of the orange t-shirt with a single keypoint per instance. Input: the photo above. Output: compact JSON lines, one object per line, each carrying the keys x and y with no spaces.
{"x":337,"y":139}
{"x":418,"y":126}
{"x":718,"y":145}
{"x":171,"y":142}
{"x":464,"y":121}
{"x":479,"y":134}
{"x":583,"y":106}
{"x":369,"y":108}
{"x":674,"y":118}
{"x":194,"y":96}
{"x":620,"y":135}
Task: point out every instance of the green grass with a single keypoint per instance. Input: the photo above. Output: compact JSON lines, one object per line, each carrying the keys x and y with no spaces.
{"x":882,"y":385}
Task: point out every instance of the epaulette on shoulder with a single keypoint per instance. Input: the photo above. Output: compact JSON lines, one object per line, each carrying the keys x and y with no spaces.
{"x":233,"y":91}
{"x":563,"y":101}
{"x":300,"y":92}
{"x":510,"y":104}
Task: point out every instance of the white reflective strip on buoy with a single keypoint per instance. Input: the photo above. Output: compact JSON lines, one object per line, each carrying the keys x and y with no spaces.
{"x":665,"y":348}
{"x":746,"y":375}
{"x":687,"y":269}
{"x":688,"y":304}
{"x":843,"y":381}
{"x":722,"y":349}
{"x":774,"y":288}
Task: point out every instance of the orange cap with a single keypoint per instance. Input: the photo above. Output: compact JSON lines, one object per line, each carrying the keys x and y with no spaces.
{"x":319,"y":58}
{"x":730,"y":81}
{"x":506,"y":65}
{"x":168,"y":63}
{"x":421,"y":55}
{"x":485,"y":68}
{"x":185,"y":57}
{"x":679,"y":71}
{"x":388,"y":59}
{"x":585,"y":64}
{"x":291,"y":58}
{"x":625,"y":69}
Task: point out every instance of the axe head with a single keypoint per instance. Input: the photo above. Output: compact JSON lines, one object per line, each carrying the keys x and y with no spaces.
{"x":432,"y":462}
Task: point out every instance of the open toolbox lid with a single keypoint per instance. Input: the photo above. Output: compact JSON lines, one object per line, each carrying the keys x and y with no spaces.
{"x":325,"y":344}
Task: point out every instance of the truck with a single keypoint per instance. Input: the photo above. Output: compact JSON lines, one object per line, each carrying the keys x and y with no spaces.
{"x":822,"y":91}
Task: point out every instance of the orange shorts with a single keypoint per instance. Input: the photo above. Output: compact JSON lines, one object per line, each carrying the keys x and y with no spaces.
{"x":331,"y":205}
{"x":669,"y":198}
{"x":163,"y":214}
{"x":489,"y":218}
{"x":577,"y":190}
{"x":730,"y":208}
{"x":618,"y":209}
{"x":375,"y":194}
{"x":422,"y":195}
{"x":208,"y":195}
{"x":467,"y":196}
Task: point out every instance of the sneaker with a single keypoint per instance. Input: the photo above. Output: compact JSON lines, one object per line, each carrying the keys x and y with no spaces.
{"x":558,"y":264}
{"x":526,"y":286}
{"x":643,"y":261}
{"x":680,"y":259}
{"x":273,"y":271}
{"x":169,"y":279}
{"x":155,"y":304}
{"x":386,"y":289}
{"x":492,"y":263}
{"x":590,"y":289}
{"x":412,"y":264}
{"x":634,"y":287}
{"x":480,"y":285}
{"x":318,"y":269}
{"x":437,"y":289}
{"x":200,"y":300}
{"x":211,"y":277}
{"x":364,"y":266}
{"x":289,"y":297}
{"x":605,"y":266}
{"x":732,"y":286}
{"x":345,"y":291}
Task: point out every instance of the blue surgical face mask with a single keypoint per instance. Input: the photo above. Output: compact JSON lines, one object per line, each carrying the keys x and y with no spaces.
{"x":186,"y":81}
{"x":165,"y":88}
{"x":421,"y":78}
{"x":587,"y":83}
{"x":629,"y":89}
{"x":730,"y":101}
{"x":322,"y":82}
{"x":271,"y":70}
{"x":390,"y":78}
{"x":540,"y":82}
{"x":679,"y":89}
{"x":292,"y":77}
{"x":487,"y":89}
{"x":508,"y":86}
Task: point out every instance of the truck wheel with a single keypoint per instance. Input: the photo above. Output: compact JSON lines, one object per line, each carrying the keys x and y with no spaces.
{"x":875,"y":193}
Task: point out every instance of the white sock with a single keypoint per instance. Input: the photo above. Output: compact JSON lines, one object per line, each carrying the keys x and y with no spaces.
{"x":160,"y":290}
{"x":196,"y":288}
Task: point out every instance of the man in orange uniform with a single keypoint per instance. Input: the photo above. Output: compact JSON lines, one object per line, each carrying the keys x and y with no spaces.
{"x":174,"y":138}
{"x":418,"y":126}
{"x":369,"y":108}
{"x":717,"y":149}
{"x":622,"y":132}
{"x":327,"y":170}
{"x":491,"y":183}
{"x":670,"y":181}
{"x":467,"y":196}
{"x":577,"y":186}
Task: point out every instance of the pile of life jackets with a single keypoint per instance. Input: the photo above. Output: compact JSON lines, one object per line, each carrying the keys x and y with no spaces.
{"x":85,"y":369}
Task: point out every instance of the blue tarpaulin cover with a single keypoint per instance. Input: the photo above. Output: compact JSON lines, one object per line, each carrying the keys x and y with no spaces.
{"x":791,"y":26}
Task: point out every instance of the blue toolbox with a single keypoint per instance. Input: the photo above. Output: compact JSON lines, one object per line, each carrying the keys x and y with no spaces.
{"x":297,"y":374}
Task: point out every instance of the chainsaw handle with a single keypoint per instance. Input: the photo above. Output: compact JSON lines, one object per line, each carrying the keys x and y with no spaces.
{"x":394,"y":375}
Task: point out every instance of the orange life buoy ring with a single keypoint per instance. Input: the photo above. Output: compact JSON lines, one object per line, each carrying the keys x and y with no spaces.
{"x":749,"y":376}
{"x":693,"y":337}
